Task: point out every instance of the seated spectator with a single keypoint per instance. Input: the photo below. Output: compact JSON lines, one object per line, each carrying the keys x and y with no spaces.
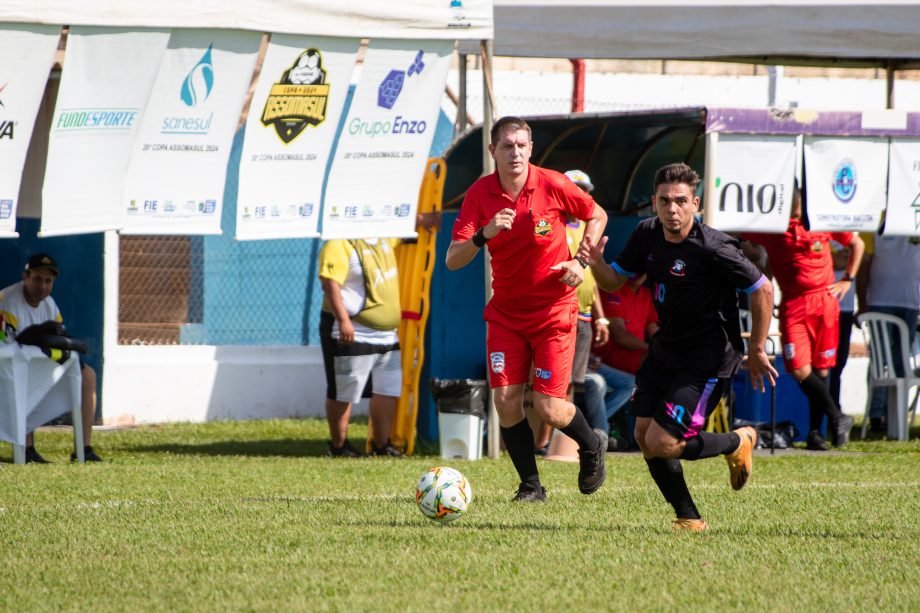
{"x":27,"y":303}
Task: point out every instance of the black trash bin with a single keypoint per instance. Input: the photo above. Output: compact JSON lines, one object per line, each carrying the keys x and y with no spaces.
{"x":461,"y":409}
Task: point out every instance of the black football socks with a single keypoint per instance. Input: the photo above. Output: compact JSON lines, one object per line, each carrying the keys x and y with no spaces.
{"x":519,"y":443}
{"x":669,"y":477}
{"x":579,"y":431}
{"x":819,"y":400}
{"x":709,"y":445}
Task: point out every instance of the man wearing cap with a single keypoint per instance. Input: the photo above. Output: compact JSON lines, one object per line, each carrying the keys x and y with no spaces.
{"x":27,"y":303}
{"x":520,"y":211}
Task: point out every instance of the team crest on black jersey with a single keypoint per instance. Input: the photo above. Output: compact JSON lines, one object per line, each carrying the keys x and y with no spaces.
{"x":299,"y":98}
{"x":678,"y":268}
{"x":542,"y":228}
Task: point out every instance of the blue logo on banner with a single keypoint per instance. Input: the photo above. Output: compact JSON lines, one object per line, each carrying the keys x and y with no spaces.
{"x":392,"y":84}
{"x":844,"y":184}
{"x":199,"y":81}
{"x":6,"y":209}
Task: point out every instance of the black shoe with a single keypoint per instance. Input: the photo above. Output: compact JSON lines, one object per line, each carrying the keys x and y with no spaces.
{"x":388,"y":450}
{"x":88,"y":455}
{"x":541,"y":451}
{"x":345,"y":451}
{"x":878,"y":424}
{"x":842,"y":430}
{"x":527,"y":493}
{"x":33,"y":457}
{"x":593,"y":470}
{"x":814,"y":442}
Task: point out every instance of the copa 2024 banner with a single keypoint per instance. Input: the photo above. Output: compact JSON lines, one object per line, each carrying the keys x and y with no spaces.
{"x":105,"y":84}
{"x":175,"y":181}
{"x":380,"y":159}
{"x":292,"y":122}
{"x":26,"y":56}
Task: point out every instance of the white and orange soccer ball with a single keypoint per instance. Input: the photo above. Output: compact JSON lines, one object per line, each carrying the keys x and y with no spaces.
{"x":443,"y":494}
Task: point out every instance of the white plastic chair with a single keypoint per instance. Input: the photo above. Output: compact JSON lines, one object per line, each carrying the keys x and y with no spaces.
{"x":878,"y":329}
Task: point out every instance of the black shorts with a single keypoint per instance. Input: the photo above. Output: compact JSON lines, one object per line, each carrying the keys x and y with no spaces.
{"x":678,"y":400}
{"x":331,"y":348}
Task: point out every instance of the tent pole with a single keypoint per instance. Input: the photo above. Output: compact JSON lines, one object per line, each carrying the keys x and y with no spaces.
{"x":461,"y":107}
{"x":488,"y":167}
{"x":889,"y":84}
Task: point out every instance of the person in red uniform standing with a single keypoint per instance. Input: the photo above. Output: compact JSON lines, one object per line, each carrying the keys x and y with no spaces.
{"x":520,"y":211}
{"x":809,"y":312}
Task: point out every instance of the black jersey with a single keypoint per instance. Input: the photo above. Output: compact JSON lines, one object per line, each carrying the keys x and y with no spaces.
{"x":695,"y":286}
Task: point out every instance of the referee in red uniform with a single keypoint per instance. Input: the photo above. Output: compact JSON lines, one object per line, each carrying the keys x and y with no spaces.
{"x":520,"y":212}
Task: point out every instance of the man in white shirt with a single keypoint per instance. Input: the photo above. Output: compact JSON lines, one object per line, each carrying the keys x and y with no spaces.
{"x":27,"y":303}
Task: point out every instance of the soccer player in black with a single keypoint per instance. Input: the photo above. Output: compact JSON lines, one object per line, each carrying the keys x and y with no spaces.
{"x":695,"y":272}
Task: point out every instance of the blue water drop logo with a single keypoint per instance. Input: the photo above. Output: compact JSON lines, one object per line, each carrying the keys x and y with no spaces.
{"x":199,"y":81}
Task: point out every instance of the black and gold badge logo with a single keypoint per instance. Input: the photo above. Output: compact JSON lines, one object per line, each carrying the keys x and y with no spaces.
{"x":542,"y":228}
{"x":299,"y":99}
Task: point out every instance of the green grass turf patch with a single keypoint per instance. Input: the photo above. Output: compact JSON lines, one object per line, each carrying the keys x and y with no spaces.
{"x":250,"y":516}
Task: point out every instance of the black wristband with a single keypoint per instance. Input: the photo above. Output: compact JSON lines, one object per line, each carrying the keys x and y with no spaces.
{"x":479,"y":238}
{"x":580,"y":260}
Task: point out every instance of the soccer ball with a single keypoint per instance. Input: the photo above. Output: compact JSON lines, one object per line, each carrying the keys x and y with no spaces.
{"x":443,"y":494}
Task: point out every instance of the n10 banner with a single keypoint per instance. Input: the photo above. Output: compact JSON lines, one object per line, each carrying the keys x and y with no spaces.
{"x":903,"y":214}
{"x":175,"y":181}
{"x":845,"y":182}
{"x":749,"y":182}
{"x":292,"y":122}
{"x":105,"y":84}
{"x":382,"y":152}
{"x":26,"y":55}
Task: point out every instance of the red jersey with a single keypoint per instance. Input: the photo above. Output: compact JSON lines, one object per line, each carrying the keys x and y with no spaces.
{"x":522,"y":282}
{"x":800,"y":259}
{"x":637,"y":311}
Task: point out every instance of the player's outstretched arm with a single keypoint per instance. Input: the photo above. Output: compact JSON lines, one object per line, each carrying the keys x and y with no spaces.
{"x":461,"y":253}
{"x":758,"y":363}
{"x":593,"y":253}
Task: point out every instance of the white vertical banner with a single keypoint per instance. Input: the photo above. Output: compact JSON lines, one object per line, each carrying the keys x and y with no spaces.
{"x":845,"y":182}
{"x":295,"y":111}
{"x":749,"y":182}
{"x":383,"y":149}
{"x":175,"y":181}
{"x":903,"y":214}
{"x":105,"y":84}
{"x":26,"y":56}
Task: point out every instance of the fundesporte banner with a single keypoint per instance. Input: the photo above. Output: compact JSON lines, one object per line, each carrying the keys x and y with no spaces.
{"x":380,"y":158}
{"x":292,"y":122}
{"x":175,"y":181}
{"x":26,"y":57}
{"x":902,"y":217}
{"x":105,"y":84}
{"x":845,"y":182}
{"x":750,"y":181}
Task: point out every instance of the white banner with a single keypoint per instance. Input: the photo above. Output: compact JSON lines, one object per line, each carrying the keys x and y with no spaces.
{"x":26,"y":56}
{"x":383,"y":148}
{"x":845,"y":182}
{"x":750,"y":181}
{"x":105,"y":85}
{"x":290,"y":129}
{"x":903,"y":215}
{"x":175,"y":181}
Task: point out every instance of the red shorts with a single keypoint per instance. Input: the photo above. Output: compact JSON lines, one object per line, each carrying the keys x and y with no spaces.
{"x":809,"y":326}
{"x":547,"y":342}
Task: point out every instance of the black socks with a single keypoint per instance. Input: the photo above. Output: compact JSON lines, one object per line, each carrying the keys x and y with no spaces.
{"x":579,"y":431}
{"x":820,"y":402}
{"x":669,"y":477}
{"x":709,"y":445}
{"x":519,"y":443}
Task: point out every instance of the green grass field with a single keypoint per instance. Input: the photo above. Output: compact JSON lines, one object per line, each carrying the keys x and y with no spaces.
{"x":248,"y":516}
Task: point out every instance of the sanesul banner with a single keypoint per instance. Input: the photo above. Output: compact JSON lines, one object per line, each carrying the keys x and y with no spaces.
{"x":292,"y":122}
{"x":903,"y":214}
{"x":750,"y":181}
{"x":845,"y":182}
{"x":105,"y":84}
{"x":382,"y":152}
{"x":26,"y":57}
{"x":175,"y":181}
